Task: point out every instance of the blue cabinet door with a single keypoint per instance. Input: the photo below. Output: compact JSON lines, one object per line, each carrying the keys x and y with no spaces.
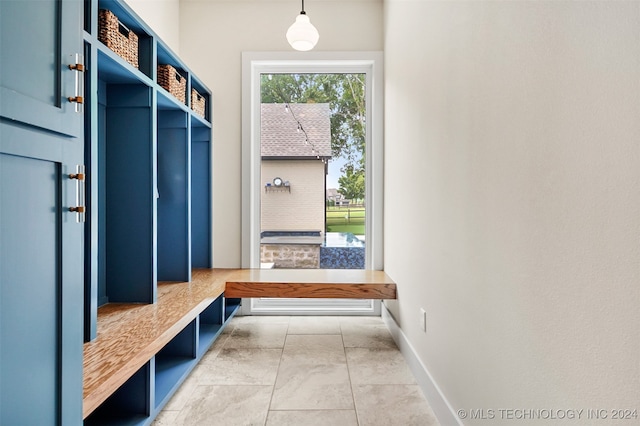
{"x":41,"y":245}
{"x":39,"y":39}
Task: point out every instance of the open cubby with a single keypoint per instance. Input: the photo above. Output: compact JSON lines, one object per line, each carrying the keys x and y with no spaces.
{"x":201,"y":197}
{"x":125,"y":138}
{"x":166,"y":57}
{"x":211,"y":324}
{"x":174,"y":362}
{"x":129,"y":405}
{"x":204,"y":92}
{"x":146,"y":39}
{"x":231,"y":306}
{"x":174,"y":251}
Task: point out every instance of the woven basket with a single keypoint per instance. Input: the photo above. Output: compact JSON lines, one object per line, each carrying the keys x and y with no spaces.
{"x":198,"y":102}
{"x":173,"y":82}
{"x":117,"y":37}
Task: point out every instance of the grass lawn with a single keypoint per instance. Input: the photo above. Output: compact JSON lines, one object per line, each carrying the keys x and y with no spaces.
{"x":354,"y":229}
{"x":346,"y":220}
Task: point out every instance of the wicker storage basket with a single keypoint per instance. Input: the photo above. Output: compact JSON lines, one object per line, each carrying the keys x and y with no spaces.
{"x":117,"y":37}
{"x":173,"y":82}
{"x":198,"y":102}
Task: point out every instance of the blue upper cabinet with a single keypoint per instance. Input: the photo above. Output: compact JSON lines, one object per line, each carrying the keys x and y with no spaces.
{"x":40,"y":39}
{"x":41,"y":240}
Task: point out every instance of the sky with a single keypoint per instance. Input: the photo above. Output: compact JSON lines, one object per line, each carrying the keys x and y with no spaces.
{"x":334,"y":172}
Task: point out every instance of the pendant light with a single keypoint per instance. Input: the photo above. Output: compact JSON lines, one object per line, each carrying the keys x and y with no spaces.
{"x":302,"y":35}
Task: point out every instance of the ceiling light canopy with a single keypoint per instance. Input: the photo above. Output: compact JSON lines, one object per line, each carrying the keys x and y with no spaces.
{"x":302,"y":35}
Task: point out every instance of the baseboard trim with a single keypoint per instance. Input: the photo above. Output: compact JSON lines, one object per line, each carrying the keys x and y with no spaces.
{"x":439,"y":404}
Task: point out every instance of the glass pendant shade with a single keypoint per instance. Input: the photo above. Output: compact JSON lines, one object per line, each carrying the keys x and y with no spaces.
{"x":302,"y":35}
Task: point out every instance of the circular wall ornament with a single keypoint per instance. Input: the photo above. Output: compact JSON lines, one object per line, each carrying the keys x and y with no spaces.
{"x":277,"y":182}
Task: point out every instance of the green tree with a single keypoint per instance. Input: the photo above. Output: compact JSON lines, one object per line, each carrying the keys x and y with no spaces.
{"x":345,"y":94}
{"x":352,"y":183}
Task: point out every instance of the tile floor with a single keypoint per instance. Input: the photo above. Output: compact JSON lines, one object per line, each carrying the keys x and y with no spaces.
{"x":302,"y":371}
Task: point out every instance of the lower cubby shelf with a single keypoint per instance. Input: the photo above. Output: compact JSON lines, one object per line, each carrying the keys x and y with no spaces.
{"x":211,"y":323}
{"x":118,"y":419}
{"x":208,"y":334}
{"x":169,"y":375}
{"x":174,"y":362}
{"x":231,"y":306}
{"x":127,"y":406}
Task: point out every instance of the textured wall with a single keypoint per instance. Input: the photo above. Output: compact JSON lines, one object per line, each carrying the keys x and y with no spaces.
{"x":163,"y":16}
{"x":302,"y":208}
{"x":512,"y":127}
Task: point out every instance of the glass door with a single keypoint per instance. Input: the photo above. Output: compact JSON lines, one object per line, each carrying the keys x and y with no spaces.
{"x":313,"y":129}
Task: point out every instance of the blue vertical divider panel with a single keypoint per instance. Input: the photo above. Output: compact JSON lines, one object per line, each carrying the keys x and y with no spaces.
{"x":91,"y":161}
{"x":100,"y":236}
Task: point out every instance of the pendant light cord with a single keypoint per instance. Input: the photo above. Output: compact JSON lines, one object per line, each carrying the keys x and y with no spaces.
{"x":302,"y":12}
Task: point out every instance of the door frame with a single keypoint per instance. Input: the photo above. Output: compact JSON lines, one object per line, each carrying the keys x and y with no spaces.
{"x":253,"y":65}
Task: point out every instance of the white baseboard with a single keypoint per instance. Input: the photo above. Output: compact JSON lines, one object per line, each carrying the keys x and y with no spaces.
{"x":439,"y":404}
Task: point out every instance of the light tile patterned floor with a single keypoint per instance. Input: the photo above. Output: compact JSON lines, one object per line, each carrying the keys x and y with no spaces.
{"x":301,"y":371}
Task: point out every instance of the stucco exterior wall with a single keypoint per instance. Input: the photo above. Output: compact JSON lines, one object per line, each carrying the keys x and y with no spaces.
{"x":301,"y":209}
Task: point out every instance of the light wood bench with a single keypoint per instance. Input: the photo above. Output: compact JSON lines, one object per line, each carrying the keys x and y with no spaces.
{"x":129,"y":335}
{"x":311,"y":283}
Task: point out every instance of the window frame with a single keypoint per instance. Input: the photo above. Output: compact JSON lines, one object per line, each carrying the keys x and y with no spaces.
{"x":256,"y":63}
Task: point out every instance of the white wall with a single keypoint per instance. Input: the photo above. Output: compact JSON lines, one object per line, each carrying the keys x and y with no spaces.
{"x":213,"y":35}
{"x":163,"y":17}
{"x":514,"y":130}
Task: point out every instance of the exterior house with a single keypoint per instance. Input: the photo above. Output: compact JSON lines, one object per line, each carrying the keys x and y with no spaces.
{"x":295,"y":145}
{"x":336,"y":197}
{"x":295,"y":150}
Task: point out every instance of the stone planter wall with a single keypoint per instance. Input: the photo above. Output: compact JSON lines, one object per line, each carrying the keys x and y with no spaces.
{"x":291,"y":256}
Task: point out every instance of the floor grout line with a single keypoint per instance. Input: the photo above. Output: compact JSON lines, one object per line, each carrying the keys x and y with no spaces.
{"x":353,"y":397}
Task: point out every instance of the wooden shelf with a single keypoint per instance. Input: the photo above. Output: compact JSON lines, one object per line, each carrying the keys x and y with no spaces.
{"x":311,"y":283}
{"x":273,"y":188}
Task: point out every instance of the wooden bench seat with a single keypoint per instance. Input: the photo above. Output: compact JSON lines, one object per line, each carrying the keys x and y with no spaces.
{"x":129,"y":335}
{"x":311,"y":283}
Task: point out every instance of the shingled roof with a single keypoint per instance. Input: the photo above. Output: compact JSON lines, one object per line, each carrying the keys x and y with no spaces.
{"x":280,"y":137}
